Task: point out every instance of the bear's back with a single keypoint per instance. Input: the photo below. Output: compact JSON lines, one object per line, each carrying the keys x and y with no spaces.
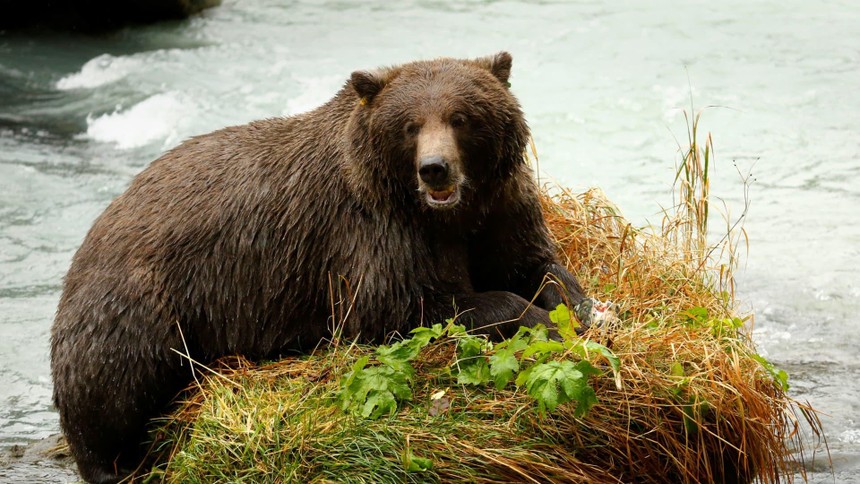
{"x":227,"y":231}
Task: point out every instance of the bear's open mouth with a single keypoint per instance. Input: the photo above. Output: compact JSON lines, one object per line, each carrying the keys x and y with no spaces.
{"x":441,"y":195}
{"x":445,"y":197}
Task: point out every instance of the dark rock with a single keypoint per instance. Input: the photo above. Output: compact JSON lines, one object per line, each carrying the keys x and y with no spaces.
{"x":94,"y":15}
{"x":46,"y":460}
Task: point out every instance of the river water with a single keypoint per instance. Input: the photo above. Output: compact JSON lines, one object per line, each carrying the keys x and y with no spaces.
{"x":603,"y":86}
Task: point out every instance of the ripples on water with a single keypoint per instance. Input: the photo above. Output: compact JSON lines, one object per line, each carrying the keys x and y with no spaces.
{"x":602,"y":86}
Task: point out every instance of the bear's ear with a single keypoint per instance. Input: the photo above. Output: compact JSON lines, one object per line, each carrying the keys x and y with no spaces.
{"x":367,"y":84}
{"x":499,"y":65}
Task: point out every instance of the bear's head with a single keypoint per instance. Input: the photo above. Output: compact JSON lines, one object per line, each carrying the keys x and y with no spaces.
{"x":440,"y":132}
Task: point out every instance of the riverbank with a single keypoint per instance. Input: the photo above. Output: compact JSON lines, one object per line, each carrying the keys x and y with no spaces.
{"x":45,"y":460}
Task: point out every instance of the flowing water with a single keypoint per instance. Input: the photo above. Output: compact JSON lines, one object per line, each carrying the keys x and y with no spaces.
{"x":603,"y":86}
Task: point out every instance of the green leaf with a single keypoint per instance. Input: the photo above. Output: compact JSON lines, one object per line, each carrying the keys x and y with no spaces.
{"x":516,"y":341}
{"x":725,"y":326}
{"x":399,"y":354}
{"x":526,"y":372}
{"x":537,"y":332}
{"x":432,"y":332}
{"x":696,"y":316}
{"x":563,"y":321}
{"x":356,"y":368}
{"x":378,"y":403}
{"x":541,"y":348}
{"x":413,"y":463}
{"x":693,"y":412}
{"x":690,"y":425}
{"x":542,"y":383}
{"x":373,"y":391}
{"x":614,"y":361}
{"x":677,"y":369}
{"x":395,"y":360}
{"x":469,"y":346}
{"x":471,"y":361}
{"x":503,"y":365}
{"x":557,"y":382}
{"x":474,"y":371}
{"x":583,"y":347}
{"x":586,"y":399}
{"x":455,"y":329}
{"x":420,"y":464}
{"x":779,"y":376}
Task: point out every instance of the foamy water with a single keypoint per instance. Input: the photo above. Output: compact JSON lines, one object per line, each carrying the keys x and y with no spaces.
{"x":99,"y":71}
{"x":604,"y":88}
{"x":163,"y":118}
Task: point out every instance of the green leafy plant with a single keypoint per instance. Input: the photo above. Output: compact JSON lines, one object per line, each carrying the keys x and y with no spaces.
{"x":543,"y":367}
{"x":557,"y":382}
{"x":374,"y":391}
{"x":472,"y":364}
{"x":398,"y":355}
{"x":530,"y":359}
{"x":504,"y":363}
{"x":699,"y":317}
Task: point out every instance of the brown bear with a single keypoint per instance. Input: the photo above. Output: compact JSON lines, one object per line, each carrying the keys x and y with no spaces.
{"x":403,"y":199}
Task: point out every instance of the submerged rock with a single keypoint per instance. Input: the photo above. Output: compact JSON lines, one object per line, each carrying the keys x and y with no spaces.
{"x":94,"y":15}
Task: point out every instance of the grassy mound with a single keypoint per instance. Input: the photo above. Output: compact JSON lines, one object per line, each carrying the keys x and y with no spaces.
{"x":690,"y":401}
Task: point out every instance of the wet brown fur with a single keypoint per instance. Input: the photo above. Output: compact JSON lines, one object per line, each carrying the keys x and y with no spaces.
{"x":240,"y":238}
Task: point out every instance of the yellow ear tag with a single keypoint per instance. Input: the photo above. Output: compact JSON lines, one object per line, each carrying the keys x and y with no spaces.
{"x":363,"y":101}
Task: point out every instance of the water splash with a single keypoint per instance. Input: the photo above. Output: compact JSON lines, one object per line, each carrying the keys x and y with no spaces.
{"x":163,"y":118}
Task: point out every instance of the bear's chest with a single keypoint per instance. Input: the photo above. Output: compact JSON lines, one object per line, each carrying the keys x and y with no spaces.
{"x":401,"y":256}
{"x":448,"y":260}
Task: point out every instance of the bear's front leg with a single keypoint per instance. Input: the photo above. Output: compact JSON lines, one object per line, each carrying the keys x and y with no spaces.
{"x":557,"y":286}
{"x":498,"y":314}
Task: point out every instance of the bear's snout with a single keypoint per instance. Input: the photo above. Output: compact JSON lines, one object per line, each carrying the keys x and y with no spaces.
{"x":439,"y":182}
{"x":433,"y":171}
{"x":439,"y":189}
{"x":439,"y":172}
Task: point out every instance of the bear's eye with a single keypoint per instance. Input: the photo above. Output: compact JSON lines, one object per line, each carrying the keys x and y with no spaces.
{"x":411,"y":128}
{"x":458,"y":121}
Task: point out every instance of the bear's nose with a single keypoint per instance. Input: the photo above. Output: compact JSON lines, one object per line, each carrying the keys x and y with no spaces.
{"x":433,"y":170}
